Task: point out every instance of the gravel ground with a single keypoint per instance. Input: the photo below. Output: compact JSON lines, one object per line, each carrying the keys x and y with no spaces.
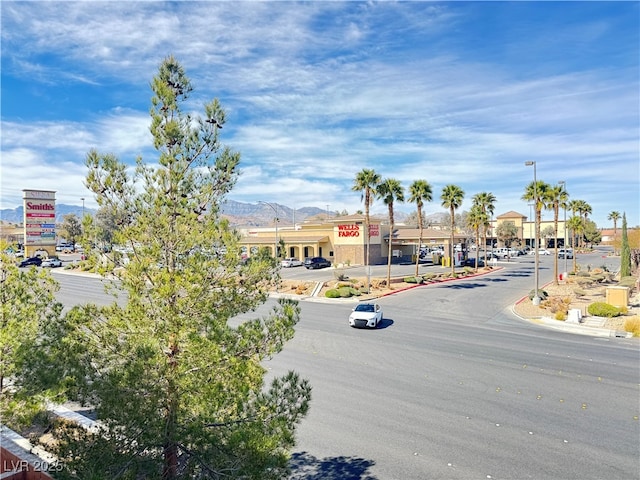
{"x":596,"y":293}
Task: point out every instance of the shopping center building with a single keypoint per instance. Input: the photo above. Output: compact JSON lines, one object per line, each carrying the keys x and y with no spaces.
{"x":342,"y":239}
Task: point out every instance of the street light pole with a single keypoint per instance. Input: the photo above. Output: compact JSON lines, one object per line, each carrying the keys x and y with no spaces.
{"x":536,"y":297}
{"x":82,"y":206}
{"x":275,"y":243}
{"x":564,"y":205}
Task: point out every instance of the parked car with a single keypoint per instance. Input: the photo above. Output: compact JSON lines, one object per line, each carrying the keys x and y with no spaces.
{"x":51,"y":262}
{"x":471,"y":262}
{"x":568,"y":253}
{"x":366,"y":315}
{"x":541,"y":251}
{"x":316,"y":262}
{"x":291,"y":262}
{"x":37,"y":261}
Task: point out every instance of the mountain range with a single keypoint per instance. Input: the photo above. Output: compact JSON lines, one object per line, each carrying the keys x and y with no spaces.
{"x":238,"y":213}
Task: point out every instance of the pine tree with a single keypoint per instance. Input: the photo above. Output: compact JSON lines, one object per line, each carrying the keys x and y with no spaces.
{"x":625,"y":251}
{"x":179,"y":391}
{"x":27,"y":309}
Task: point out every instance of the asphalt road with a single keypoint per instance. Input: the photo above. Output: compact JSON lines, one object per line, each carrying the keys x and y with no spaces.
{"x":454,"y":386}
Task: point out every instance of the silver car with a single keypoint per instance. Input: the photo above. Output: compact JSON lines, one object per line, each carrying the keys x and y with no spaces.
{"x":291,"y":262}
{"x":51,"y":262}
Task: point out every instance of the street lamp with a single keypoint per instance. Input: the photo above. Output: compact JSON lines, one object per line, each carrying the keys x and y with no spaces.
{"x":275,"y":244}
{"x":82,"y":206}
{"x":536,"y":298}
{"x":564,"y":205}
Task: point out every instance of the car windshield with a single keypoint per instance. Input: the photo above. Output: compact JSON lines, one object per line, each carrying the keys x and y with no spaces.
{"x":365,"y":307}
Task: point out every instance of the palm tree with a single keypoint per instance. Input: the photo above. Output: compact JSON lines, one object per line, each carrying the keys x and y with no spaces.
{"x":537,"y":193}
{"x":420,"y":192}
{"x":574,"y":205}
{"x":583,"y":209}
{"x":452,"y":196}
{"x":586,"y":211}
{"x":477,"y":219}
{"x":366,"y":182}
{"x":389,"y":191}
{"x":576,"y":225}
{"x":486,"y":201}
{"x":556,"y":195}
{"x":614,"y":216}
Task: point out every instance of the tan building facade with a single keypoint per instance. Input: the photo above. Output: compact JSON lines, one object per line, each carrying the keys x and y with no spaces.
{"x":342,"y":240}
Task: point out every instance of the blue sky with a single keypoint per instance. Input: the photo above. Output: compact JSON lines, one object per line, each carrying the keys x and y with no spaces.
{"x":454,"y":92}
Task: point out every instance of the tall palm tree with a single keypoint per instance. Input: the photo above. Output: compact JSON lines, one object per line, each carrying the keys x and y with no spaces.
{"x":537,"y":192}
{"x":576,"y":225}
{"x":614,"y":216}
{"x":452,"y":196}
{"x":574,"y":206}
{"x":420,"y":192}
{"x":486,"y":201}
{"x":556,"y":195}
{"x":586,"y":211}
{"x":477,"y":219}
{"x":389,"y":191}
{"x":366,"y":182}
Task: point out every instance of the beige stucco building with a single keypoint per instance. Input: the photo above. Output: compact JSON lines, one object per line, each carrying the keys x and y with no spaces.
{"x":342,"y":240}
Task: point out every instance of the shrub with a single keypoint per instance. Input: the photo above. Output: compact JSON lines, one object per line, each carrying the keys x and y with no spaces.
{"x":579,"y":292}
{"x":412,"y":279}
{"x":562,"y":316}
{"x":429,"y":276}
{"x":627,"y":282}
{"x":632,"y":325}
{"x":601,"y":309}
{"x":346,"y":292}
{"x":541,"y":293}
{"x":583,"y":274}
{"x":468,"y":270}
{"x":557,"y":304}
{"x":332,"y":293}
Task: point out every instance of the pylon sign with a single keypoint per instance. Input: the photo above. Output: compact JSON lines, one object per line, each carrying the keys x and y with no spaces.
{"x":39,"y":218}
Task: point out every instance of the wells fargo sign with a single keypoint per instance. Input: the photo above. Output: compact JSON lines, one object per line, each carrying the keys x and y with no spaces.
{"x":349,"y":230}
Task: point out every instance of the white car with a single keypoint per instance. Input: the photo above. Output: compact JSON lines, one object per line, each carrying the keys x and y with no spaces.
{"x":291,"y":262}
{"x":51,"y":262}
{"x":568,"y":253}
{"x":366,"y":315}
{"x":541,"y":251}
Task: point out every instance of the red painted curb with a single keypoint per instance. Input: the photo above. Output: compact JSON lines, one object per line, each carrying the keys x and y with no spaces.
{"x":438,"y":282}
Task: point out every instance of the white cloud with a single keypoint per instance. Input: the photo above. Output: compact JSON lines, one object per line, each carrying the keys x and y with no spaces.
{"x":317,"y":91}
